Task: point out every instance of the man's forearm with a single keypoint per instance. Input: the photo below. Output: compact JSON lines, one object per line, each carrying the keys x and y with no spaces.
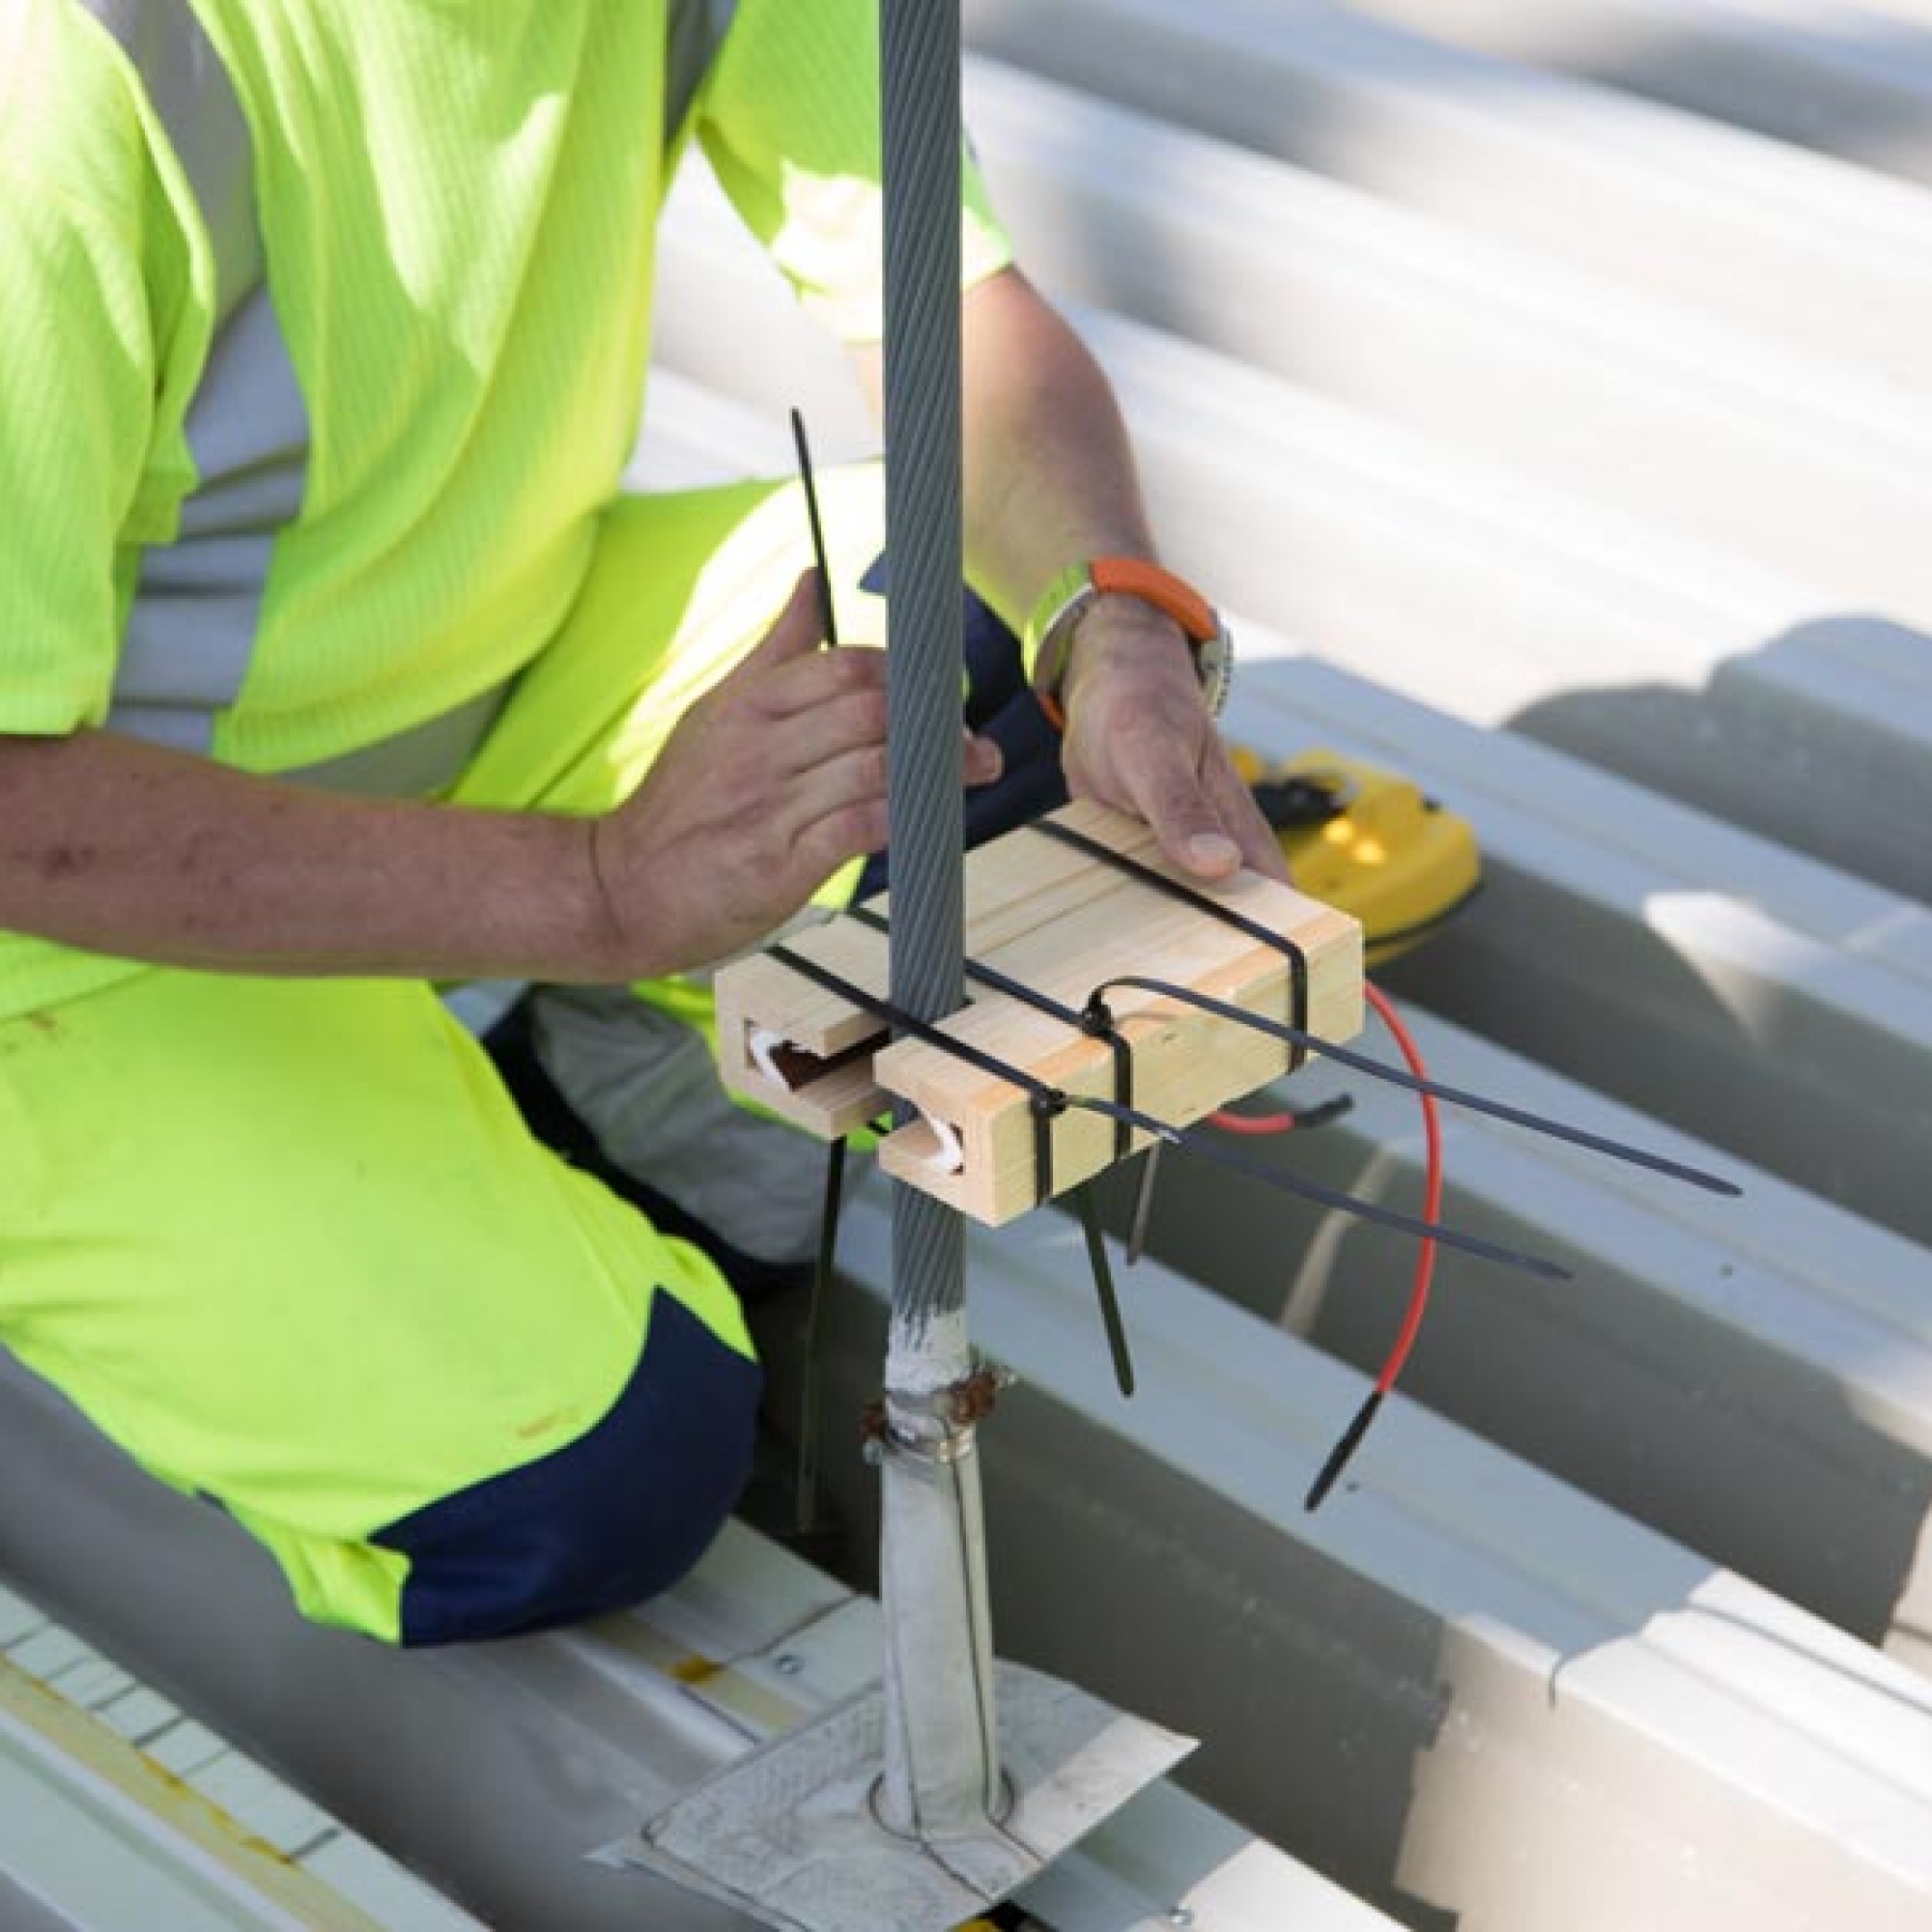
{"x":1050,"y":482}
{"x":121,"y":847}
{"x":1049,"y":472}
{"x":765,"y":786}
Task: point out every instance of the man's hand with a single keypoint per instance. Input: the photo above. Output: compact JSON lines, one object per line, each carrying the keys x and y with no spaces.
{"x":1139,"y":738}
{"x":770,"y":782}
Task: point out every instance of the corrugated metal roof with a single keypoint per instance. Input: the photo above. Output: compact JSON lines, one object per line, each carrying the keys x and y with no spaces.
{"x":117,"y":1809}
{"x":1567,"y":449}
{"x":1550,"y":383}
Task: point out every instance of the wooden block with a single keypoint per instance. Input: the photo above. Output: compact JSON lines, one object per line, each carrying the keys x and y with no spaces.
{"x":1187,"y":1062}
{"x":760,"y":998}
{"x":1062,"y":923}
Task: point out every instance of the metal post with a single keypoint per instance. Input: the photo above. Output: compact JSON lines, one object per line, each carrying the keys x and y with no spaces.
{"x":942,"y":1767}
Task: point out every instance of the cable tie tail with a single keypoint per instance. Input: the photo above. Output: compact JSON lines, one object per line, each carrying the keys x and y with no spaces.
{"x":828,"y":618}
{"x":1340,"y":1455}
{"x":1457,"y":1096}
{"x":812,"y":1383}
{"x":1104,"y":1288}
{"x":1284,"y":1178}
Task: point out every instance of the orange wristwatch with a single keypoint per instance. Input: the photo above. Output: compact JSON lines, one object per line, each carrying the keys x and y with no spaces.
{"x":1049,"y":632}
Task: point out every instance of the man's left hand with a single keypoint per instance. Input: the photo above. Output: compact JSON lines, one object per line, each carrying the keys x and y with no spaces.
{"x":1140,"y":738}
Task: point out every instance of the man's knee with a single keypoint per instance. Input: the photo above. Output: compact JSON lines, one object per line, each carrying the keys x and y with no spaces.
{"x":608,"y":1520}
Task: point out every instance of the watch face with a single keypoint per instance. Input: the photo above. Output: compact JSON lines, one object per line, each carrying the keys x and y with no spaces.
{"x":1214,"y":664}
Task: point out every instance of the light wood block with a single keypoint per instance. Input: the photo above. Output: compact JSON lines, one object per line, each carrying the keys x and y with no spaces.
{"x":1058,"y":920}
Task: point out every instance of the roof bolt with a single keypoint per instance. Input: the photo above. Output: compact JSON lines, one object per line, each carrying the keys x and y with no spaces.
{"x":788,"y":1664}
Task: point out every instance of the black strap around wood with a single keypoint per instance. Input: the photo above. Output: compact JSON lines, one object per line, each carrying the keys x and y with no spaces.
{"x":1094,"y":1020}
{"x":1212,"y":908}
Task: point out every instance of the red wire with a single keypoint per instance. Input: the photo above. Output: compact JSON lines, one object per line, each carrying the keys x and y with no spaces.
{"x":1432,"y":1197}
{"x":1251,"y":1124}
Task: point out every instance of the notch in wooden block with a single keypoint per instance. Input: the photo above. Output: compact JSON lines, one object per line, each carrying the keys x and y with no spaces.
{"x":1061,"y":921}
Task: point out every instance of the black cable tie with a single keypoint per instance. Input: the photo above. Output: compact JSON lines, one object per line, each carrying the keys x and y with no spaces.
{"x":1291,"y":1182}
{"x":902,"y":1021}
{"x":1097,"y":1021}
{"x":1201,"y":902}
{"x":1162,"y":1131}
{"x":1457,"y":1096}
{"x":1045,"y":1107}
{"x":1103,"y":1286}
{"x":805,"y":1495}
{"x":827,"y":617}
{"x":1093,"y":1019}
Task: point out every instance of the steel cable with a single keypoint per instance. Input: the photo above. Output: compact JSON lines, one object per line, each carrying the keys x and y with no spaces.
{"x":920,"y":82}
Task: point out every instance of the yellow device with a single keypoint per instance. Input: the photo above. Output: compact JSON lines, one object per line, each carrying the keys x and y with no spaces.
{"x":1369,"y":842}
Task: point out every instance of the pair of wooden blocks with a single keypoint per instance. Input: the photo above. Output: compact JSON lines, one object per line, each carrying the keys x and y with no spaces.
{"x":1061,"y":921}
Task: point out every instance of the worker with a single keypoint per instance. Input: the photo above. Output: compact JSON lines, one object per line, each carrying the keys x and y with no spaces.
{"x":337,"y":669}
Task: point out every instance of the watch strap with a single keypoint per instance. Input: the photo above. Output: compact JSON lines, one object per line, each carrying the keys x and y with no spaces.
{"x":1049,"y":631}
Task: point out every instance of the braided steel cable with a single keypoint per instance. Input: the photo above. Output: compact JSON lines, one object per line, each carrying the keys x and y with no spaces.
{"x":942,"y":1767}
{"x":919,"y":84}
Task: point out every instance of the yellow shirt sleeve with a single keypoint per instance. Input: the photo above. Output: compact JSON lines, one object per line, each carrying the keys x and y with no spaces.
{"x":93,"y":277}
{"x":789,"y":120}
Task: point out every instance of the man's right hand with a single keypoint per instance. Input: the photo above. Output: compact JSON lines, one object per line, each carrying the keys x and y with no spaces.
{"x":769,"y":784}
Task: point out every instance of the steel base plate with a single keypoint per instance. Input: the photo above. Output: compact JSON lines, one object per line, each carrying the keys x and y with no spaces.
{"x":788,"y":1833}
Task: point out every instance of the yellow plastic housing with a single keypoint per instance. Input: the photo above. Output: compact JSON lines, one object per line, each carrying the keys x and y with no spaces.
{"x":1398,"y":861}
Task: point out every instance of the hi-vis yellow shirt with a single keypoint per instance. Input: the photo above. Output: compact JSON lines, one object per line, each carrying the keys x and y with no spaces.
{"x":288,"y":510}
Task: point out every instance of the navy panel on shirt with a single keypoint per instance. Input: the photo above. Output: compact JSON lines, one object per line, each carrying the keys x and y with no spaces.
{"x":606,"y":1521}
{"x":1000,"y":705}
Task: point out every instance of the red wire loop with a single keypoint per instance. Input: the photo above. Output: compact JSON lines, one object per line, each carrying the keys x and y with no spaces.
{"x":1432,"y":1198}
{"x":1230,"y":1122}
